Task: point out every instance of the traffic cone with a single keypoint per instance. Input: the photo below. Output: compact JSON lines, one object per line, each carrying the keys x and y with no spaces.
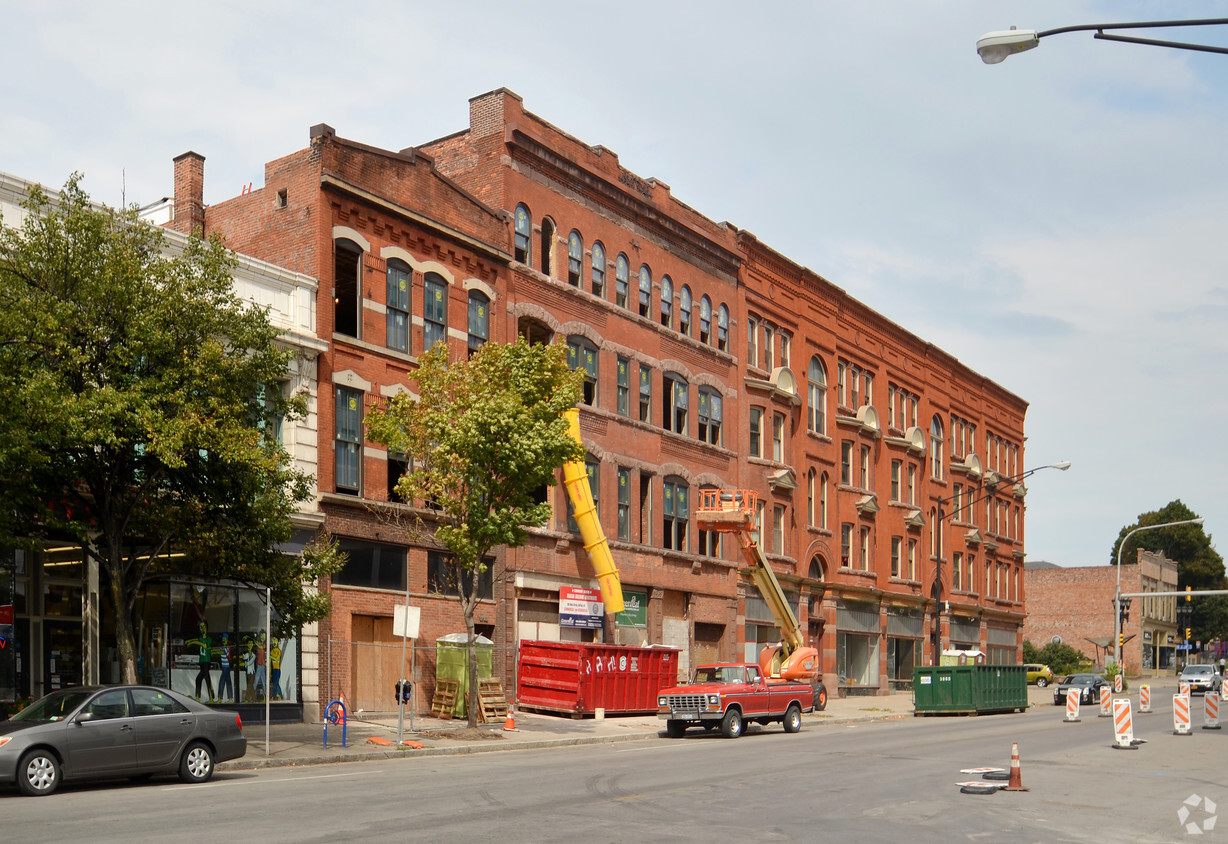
{"x":345,"y":708}
{"x":1016,"y":781}
{"x":509,"y":724}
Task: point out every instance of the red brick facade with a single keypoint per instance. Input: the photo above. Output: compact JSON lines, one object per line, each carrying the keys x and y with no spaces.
{"x":873,"y":452}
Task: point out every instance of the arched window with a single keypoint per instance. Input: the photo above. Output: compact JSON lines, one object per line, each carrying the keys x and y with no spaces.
{"x":936,"y":448}
{"x":398,"y":305}
{"x":705,"y":319}
{"x":667,"y":302}
{"x":722,"y":328}
{"x":534,"y":331}
{"x":524,"y":233}
{"x":582,"y":355}
{"x":434,"y":311}
{"x":347,"y":265}
{"x":710,"y":415}
{"x":823,"y":501}
{"x":816,"y":395}
{"x":645,"y":290}
{"x":811,"y":484}
{"x":622,"y":280}
{"x":547,"y":256}
{"x":675,"y":399}
{"x":479,"y":320}
{"x":816,"y":569}
{"x":684,"y":310}
{"x":575,"y":258}
{"x":598,"y":269}
{"x":709,"y":540}
{"x":676,"y":493}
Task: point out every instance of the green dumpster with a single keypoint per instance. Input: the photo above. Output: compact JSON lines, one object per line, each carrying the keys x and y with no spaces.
{"x":969,"y":689}
{"x":452,"y":663}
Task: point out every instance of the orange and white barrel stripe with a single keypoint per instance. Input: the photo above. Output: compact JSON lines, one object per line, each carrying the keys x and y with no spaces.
{"x":1144,"y":698}
{"x":1072,"y":704}
{"x":1106,"y":702}
{"x":1181,"y":715}
{"x":1118,"y":684}
{"x":1123,"y":723}
{"x":1210,"y":711}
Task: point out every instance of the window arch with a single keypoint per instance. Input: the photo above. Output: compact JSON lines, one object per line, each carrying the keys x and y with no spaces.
{"x":575,"y":258}
{"x":479,"y":319}
{"x":667,"y":302}
{"x":645,"y":290}
{"x":816,"y":395}
{"x":684,"y":310}
{"x":722,"y":328}
{"x":705,"y":319}
{"x":675,"y":398}
{"x":547,"y":250}
{"x":622,"y":280}
{"x":676,"y":510}
{"x":582,"y":355}
{"x":936,"y":448}
{"x":710,"y":415}
{"x":434,"y":310}
{"x":815,"y":572}
{"x":598,"y":269}
{"x":347,"y":266}
{"x":399,"y":276}
{"x":524,"y":233}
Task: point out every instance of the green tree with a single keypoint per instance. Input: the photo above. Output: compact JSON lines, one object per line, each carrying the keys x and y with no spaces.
{"x":140,"y":395}
{"x":1199,"y":565}
{"x":1060,"y":657}
{"x":486,"y":435}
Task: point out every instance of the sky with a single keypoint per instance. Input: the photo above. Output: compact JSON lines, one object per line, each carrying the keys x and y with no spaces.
{"x":1056,"y":222}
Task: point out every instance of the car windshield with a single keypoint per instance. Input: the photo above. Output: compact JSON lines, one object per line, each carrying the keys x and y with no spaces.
{"x":1079,"y":679}
{"x":1198,"y":669}
{"x":54,"y":707}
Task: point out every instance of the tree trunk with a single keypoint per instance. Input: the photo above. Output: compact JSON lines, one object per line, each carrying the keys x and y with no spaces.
{"x":469,"y":605}
{"x":125,"y":640}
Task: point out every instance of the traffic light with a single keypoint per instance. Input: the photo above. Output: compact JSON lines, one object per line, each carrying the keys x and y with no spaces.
{"x":1121,"y":640}
{"x":1187,"y":634}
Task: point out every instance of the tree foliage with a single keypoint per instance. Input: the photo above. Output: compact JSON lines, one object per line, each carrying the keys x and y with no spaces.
{"x":1059,"y":656}
{"x":141,"y":399}
{"x":486,"y":435}
{"x":1199,"y":565}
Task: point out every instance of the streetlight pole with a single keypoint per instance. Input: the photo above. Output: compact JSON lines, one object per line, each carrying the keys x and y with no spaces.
{"x":1117,"y":597}
{"x":995,"y":47}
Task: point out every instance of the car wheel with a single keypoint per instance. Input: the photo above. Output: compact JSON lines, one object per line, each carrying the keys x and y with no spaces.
{"x":793,"y":719}
{"x":1041,"y":682}
{"x":197,"y":763}
{"x":675,"y":729}
{"x":820,"y":700}
{"x":731,"y":724}
{"x":38,"y":773}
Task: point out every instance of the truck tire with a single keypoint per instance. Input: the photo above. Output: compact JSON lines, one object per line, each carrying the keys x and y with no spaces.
{"x":820,"y":697}
{"x":731,"y":724}
{"x":675,"y":729}
{"x":793,"y":719}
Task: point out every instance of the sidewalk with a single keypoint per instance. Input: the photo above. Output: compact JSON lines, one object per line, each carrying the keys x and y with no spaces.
{"x":303,"y":744}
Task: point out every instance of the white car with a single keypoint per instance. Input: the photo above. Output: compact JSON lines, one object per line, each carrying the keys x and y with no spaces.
{"x":1202,"y":679}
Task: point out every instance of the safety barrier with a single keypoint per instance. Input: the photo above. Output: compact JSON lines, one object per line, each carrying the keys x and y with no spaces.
{"x":1181,"y":715}
{"x":1106,"y":702}
{"x":1123,"y":724}
{"x":1072,"y":706}
{"x":1210,"y":711}
{"x":1144,"y":698}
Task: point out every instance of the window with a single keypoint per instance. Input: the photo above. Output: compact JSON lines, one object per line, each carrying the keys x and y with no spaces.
{"x":622,"y":280}
{"x":398,"y":306}
{"x":756,"y":432}
{"x":778,"y":528}
{"x":722,"y":328}
{"x":936,"y":443}
{"x":624,"y":387}
{"x":823,"y":480}
{"x":865,"y":467}
{"x":864,"y":549}
{"x":897,"y":468}
{"x":786,"y":349}
{"x":444,"y":579}
{"x":897,"y":547}
{"x":675,"y":509}
{"x":778,"y":437}
{"x":912,"y":559}
{"x":624,"y":504}
{"x":846,"y":463}
{"x":593,"y":469}
{"x":912,"y":485}
{"x":645,"y":393}
{"x":957,"y":571}
{"x":667,"y":302}
{"x":675,"y":393}
{"x":347,"y":264}
{"x":957,"y":503}
{"x":575,"y":258}
{"x":348,"y":441}
{"x":434,"y":311}
{"x":816,"y":395}
{"x":846,"y":544}
{"x":598,"y":269}
{"x":582,"y":355}
{"x":547,"y":251}
{"x":705,"y":319}
{"x":684,"y":310}
{"x":479,"y":320}
{"x":810,"y":500}
{"x":710,"y":416}
{"x":769,"y":345}
{"x":752,"y":342}
{"x":371,"y":564}
{"x":524,"y":233}
{"x":645,"y":290}
{"x":709,"y":540}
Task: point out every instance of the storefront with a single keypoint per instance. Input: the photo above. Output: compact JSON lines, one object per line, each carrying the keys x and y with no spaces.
{"x":965,"y":634}
{"x":1001,"y":644}
{"x":857,"y":638}
{"x":905,"y":629}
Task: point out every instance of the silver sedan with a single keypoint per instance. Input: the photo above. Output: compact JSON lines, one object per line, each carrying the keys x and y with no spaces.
{"x":97,"y":732}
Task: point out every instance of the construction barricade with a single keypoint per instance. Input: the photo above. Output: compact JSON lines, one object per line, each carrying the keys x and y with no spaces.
{"x":1181,"y":715}
{"x":1144,"y":698}
{"x":1106,"y":702}
{"x":1123,"y":724}
{"x":1210,"y":711}
{"x":1072,"y":706}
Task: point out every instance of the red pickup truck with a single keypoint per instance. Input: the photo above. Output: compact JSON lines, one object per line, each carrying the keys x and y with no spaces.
{"x":731,"y":695}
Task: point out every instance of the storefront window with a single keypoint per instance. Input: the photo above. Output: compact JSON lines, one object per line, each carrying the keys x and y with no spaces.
{"x":8,"y":641}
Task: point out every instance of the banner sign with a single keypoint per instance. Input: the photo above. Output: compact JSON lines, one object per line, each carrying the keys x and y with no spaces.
{"x":635,"y":609}
{"x":580,"y":608}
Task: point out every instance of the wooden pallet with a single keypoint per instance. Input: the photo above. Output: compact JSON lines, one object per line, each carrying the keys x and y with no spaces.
{"x":493,"y":703}
{"x":443,"y":704}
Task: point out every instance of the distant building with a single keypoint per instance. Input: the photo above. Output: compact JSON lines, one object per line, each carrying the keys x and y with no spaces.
{"x":1075,"y":606}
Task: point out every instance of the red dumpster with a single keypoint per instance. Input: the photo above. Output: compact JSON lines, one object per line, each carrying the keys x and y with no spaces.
{"x":578,"y":678}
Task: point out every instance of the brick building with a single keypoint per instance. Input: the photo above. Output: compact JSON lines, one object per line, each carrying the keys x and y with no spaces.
{"x":1075,"y":606}
{"x":886,"y":474}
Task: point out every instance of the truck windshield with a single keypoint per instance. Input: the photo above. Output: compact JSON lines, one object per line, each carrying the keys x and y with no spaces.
{"x":723,"y":674}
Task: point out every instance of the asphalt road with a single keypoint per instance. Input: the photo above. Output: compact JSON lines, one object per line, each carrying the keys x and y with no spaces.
{"x":885,"y":781}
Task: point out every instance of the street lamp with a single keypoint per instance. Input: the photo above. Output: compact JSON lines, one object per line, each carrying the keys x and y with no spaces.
{"x":1117,"y":597}
{"x":995,"y":47}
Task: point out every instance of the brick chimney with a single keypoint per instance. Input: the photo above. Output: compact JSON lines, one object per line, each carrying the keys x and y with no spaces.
{"x":189,"y":193}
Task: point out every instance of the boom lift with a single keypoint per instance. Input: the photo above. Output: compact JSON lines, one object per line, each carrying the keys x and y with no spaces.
{"x":733,"y":511}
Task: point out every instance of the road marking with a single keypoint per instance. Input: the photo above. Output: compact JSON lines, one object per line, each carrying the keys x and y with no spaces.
{"x":245,"y":780}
